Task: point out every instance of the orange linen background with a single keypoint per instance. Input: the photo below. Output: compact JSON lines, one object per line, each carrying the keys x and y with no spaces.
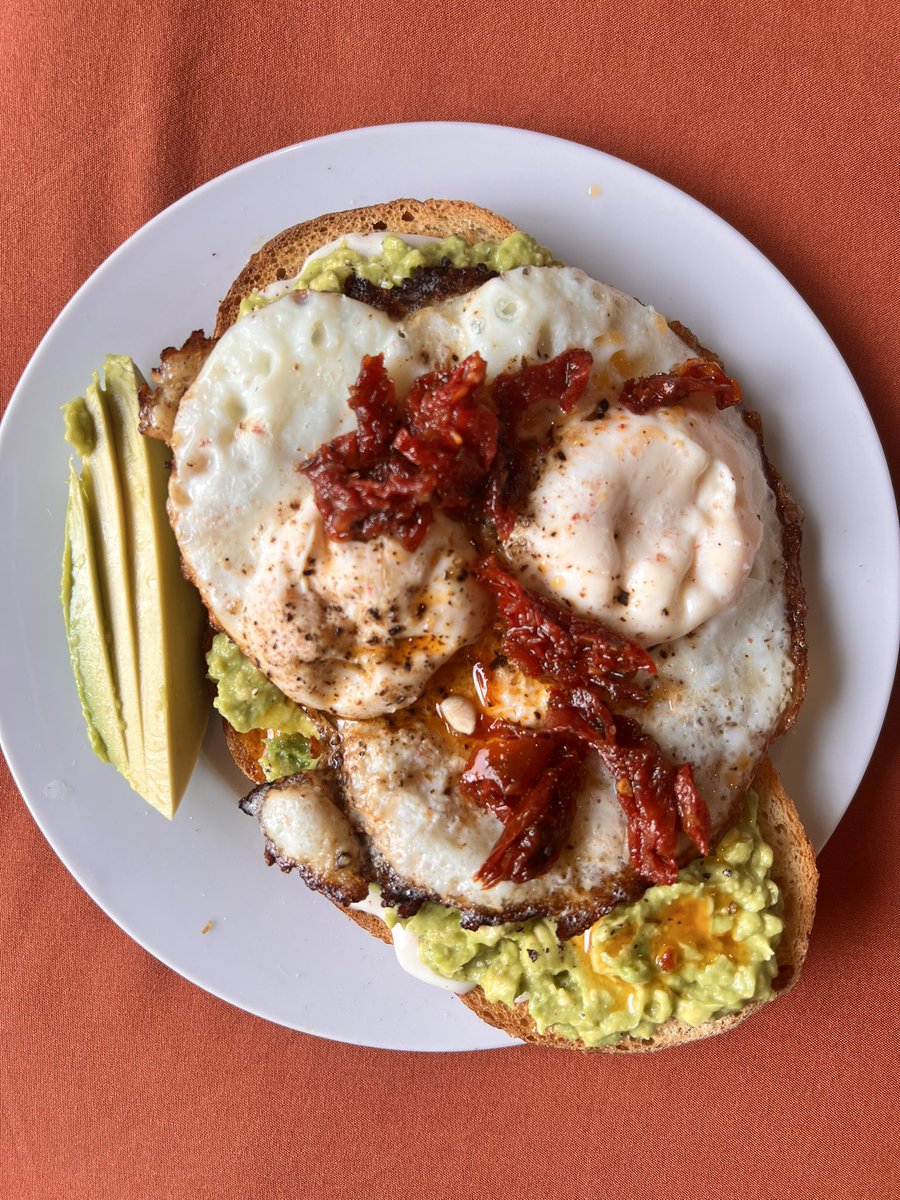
{"x":119,"y":1079}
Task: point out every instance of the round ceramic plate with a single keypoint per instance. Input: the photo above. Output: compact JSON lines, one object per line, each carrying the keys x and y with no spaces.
{"x":273,"y":948}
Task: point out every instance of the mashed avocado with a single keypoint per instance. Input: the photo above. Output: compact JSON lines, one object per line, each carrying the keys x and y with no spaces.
{"x":286,"y":754}
{"x":79,"y":426}
{"x":696,"y":949}
{"x":246,"y":698}
{"x":398,"y":260}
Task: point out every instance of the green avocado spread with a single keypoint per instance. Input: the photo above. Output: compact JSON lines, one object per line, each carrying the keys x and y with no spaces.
{"x":248,"y":700}
{"x":697,"y":949}
{"x":79,"y":426}
{"x":398,"y":260}
{"x":286,"y":754}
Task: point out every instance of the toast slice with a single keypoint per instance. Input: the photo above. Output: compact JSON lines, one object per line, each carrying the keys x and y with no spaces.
{"x":796,"y":875}
{"x":795,"y":871}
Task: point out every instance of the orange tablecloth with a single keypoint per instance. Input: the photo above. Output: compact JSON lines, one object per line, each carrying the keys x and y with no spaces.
{"x":119,"y":1079}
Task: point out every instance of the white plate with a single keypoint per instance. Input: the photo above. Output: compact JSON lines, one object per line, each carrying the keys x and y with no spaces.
{"x":274,"y":948}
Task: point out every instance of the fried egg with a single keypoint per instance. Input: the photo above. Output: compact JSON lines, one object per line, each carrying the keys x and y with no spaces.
{"x":661,"y":525}
{"x":354,"y":628}
{"x":716,"y":701}
{"x":357,"y":629}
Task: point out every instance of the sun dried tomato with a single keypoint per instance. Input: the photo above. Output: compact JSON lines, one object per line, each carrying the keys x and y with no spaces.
{"x":438,"y":449}
{"x":361,"y":489}
{"x":449,"y":429}
{"x":674,"y":387}
{"x":588,"y":666}
{"x":559,"y":383}
{"x":555,"y":645}
{"x":356,"y":507}
{"x":529,"y":779}
{"x":581,"y":712}
{"x":385,"y":477}
{"x":693,"y":815}
{"x":658,"y":798}
{"x":374,"y":400}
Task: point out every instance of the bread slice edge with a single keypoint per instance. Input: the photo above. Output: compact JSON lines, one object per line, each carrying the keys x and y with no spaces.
{"x":283,"y":255}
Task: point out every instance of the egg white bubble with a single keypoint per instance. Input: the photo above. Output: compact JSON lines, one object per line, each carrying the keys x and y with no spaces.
{"x":648,"y":523}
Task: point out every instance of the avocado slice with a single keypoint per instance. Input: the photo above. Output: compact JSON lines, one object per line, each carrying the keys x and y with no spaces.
{"x":107,"y":527}
{"x":169,"y":617}
{"x":133,"y":622}
{"x":84,"y":614}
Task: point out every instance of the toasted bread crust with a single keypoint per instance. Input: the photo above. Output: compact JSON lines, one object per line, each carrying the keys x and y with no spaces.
{"x":373,"y":925}
{"x":246,"y":749}
{"x":285,"y":254}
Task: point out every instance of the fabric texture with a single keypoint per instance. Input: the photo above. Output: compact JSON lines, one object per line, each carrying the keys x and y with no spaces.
{"x":119,"y":1078}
